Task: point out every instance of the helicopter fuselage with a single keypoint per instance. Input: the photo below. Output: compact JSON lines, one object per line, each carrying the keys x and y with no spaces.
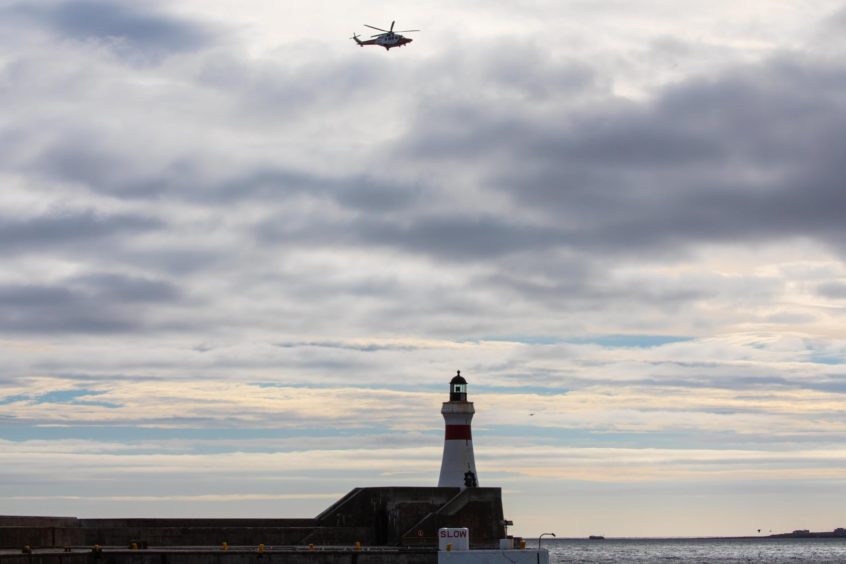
{"x":388,"y":41}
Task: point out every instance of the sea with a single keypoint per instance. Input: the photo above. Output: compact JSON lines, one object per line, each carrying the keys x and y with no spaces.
{"x":730,"y":551}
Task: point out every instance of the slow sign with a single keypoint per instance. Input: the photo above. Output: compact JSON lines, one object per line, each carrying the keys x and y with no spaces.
{"x":459,"y":538}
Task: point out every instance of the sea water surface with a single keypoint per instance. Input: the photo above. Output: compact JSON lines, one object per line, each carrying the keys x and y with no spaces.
{"x":695,"y":550}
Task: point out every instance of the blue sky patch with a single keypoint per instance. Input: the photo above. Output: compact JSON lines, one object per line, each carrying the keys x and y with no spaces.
{"x":629,"y":341}
{"x":826,"y":359}
{"x":529,"y":389}
{"x":130,"y":434}
{"x":70,"y":397}
{"x":12,"y":399}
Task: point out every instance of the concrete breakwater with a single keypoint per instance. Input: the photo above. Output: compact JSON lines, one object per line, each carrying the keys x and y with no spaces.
{"x":238,"y":555}
{"x":282,"y":555}
{"x":374,"y":517}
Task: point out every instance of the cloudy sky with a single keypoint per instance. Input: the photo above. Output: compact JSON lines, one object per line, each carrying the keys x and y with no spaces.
{"x":242,"y":257}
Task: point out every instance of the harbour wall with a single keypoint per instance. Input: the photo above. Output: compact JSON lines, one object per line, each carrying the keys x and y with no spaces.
{"x":201,"y":556}
{"x":407,"y":517}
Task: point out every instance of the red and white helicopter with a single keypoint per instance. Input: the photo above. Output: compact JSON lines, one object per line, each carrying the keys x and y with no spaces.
{"x":387,"y":39}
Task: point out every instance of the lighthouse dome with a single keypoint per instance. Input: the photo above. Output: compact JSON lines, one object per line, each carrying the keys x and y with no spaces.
{"x":458,"y":388}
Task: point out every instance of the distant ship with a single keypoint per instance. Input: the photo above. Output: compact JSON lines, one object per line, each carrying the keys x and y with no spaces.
{"x":596,"y":537}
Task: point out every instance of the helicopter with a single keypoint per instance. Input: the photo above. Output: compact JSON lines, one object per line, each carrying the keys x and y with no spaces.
{"x":387,"y":39}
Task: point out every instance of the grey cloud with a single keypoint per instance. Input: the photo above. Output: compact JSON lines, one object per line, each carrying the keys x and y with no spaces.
{"x":753,"y":384}
{"x":44,"y":309}
{"x":177,"y":260}
{"x":131,"y":29}
{"x":94,"y":303}
{"x":624,"y":135}
{"x":80,"y":155}
{"x":83,"y":162}
{"x":460,"y":237}
{"x":372,"y":347}
{"x":374,"y":195}
{"x":833,"y":24}
{"x":117,"y":172}
{"x":360,"y":192}
{"x":288,"y":88}
{"x":454,"y":238}
{"x":589,"y":291}
{"x":61,"y":229}
{"x":122,"y":288}
{"x":282,"y":91}
{"x":519,"y":71}
{"x":747,"y":156}
{"x":835,"y":290}
{"x":833,"y":385}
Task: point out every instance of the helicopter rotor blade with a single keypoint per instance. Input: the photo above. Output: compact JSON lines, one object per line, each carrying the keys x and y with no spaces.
{"x":378,"y":28}
{"x":407,"y":31}
{"x":392,"y":25}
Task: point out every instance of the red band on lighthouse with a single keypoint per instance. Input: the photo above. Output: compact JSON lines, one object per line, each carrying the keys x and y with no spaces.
{"x":458,"y":433}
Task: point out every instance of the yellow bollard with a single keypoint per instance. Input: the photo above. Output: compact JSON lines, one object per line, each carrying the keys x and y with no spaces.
{"x":522,"y":544}
{"x":261,"y":548}
{"x":311,"y":548}
{"x":225,"y":546}
{"x":134,"y":546}
{"x":358,"y":545}
{"x":449,"y":547}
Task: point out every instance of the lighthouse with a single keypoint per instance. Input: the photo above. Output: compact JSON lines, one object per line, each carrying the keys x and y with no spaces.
{"x":458,"y":466}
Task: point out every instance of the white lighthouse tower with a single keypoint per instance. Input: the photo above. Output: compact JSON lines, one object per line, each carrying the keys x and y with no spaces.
{"x":458,"y":467}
